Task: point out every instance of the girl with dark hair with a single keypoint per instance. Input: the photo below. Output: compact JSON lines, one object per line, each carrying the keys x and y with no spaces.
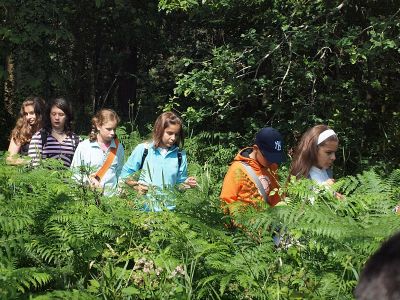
{"x":163,"y":163}
{"x":315,"y":154}
{"x":56,"y":139}
{"x":29,"y":121}
{"x":98,"y":160}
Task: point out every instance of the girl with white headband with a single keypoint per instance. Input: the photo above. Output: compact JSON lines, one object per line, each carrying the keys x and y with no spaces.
{"x":315,"y":154}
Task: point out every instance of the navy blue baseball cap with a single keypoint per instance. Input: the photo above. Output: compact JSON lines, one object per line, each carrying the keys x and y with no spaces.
{"x":270,"y":142}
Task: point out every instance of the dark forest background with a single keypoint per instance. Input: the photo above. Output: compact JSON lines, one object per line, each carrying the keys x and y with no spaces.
{"x":228,"y":67}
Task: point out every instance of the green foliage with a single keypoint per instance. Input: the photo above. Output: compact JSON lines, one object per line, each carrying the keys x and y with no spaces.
{"x":258,"y":63}
{"x":62,"y":241}
{"x":228,"y":66}
{"x":130,"y":139}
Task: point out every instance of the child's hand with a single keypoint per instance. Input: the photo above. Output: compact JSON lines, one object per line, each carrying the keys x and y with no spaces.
{"x":329,"y":182}
{"x":93,"y":182}
{"x":191,"y":182}
{"x":131,"y":182}
{"x":142,"y":188}
{"x":339,"y":196}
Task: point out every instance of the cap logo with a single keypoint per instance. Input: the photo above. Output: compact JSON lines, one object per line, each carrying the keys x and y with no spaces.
{"x":278,"y":145}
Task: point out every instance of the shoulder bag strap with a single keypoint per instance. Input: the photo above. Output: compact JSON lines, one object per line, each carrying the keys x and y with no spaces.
{"x":256,"y":180}
{"x":145,"y":152}
{"x":110,"y":158}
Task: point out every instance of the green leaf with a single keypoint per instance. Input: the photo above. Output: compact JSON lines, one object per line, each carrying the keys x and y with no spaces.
{"x":130,"y":290}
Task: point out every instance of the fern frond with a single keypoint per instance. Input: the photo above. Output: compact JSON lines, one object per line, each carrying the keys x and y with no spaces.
{"x":23,"y":279}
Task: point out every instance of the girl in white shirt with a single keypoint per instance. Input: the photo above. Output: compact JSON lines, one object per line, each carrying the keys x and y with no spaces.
{"x":315,"y":154}
{"x":92,"y":154}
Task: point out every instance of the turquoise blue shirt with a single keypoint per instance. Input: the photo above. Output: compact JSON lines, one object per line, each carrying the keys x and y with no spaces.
{"x":91,"y":156}
{"x":159,"y":170}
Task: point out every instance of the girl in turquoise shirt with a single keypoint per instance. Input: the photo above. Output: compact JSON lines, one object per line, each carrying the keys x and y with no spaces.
{"x":164,"y":165}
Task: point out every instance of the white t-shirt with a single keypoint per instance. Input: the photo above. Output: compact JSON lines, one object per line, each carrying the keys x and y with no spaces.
{"x":319,"y":175}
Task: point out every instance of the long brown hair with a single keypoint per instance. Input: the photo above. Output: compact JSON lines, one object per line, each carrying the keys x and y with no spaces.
{"x":305,"y":155}
{"x":22,"y":132}
{"x":162,"y":122}
{"x":102,"y":116}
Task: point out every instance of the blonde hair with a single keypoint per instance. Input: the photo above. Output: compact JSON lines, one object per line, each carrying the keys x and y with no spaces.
{"x":163,"y":121}
{"x":306,"y":152}
{"x":101,"y":117}
{"x":22,"y":132}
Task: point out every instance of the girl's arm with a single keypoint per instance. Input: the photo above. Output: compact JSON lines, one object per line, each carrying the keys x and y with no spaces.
{"x":182,"y":178}
{"x":330,"y":182}
{"x":133,"y":162}
{"x":131,"y":166}
{"x":13,"y":150}
{"x":182,"y":172}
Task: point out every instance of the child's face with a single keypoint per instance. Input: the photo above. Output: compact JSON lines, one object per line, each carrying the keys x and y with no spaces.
{"x":263,"y":161}
{"x":170,"y":135}
{"x":107,"y":131}
{"x":57,"y":118}
{"x":30,"y":115}
{"x":326,"y":154}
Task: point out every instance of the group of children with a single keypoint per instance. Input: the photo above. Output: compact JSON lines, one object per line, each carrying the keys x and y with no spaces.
{"x":253,"y":178}
{"x":45,"y":132}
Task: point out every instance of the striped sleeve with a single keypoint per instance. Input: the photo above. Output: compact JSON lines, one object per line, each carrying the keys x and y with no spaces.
{"x":35,"y":149}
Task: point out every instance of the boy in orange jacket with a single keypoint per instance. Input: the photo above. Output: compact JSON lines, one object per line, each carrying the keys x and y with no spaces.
{"x":253,"y":173}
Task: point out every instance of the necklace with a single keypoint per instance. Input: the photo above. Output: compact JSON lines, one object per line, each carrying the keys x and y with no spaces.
{"x":58,"y":135}
{"x":60,"y":132}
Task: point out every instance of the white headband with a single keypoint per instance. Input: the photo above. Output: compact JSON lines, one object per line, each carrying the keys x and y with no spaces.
{"x":324,"y":135}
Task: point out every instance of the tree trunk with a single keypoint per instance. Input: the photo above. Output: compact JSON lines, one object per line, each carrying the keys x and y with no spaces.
{"x":9,"y":86}
{"x":127,"y":100}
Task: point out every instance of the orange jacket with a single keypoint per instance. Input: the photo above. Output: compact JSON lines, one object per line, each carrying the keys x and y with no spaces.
{"x":238,"y":185}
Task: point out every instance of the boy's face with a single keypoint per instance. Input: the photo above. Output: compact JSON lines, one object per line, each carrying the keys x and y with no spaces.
{"x":262,"y":160}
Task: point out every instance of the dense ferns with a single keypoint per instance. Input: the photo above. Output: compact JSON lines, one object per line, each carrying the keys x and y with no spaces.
{"x":63,"y":241}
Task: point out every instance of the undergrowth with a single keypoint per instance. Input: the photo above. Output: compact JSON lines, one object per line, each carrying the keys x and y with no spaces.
{"x":59,"y":240}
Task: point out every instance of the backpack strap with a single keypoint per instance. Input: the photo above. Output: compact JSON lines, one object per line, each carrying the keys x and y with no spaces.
{"x":77,"y":140}
{"x":179,"y":159}
{"x":110,"y":158}
{"x":145,"y":152}
{"x":43,"y":137}
{"x":256,"y":180}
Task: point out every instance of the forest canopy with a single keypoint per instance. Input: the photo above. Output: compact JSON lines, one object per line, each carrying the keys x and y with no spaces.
{"x":233,"y":65}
